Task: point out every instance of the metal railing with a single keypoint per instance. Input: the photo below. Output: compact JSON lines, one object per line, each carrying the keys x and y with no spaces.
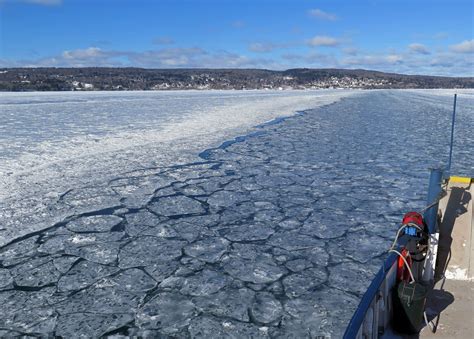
{"x":373,"y":313}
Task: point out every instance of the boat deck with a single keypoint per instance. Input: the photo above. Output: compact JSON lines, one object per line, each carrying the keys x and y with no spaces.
{"x":452,"y":297}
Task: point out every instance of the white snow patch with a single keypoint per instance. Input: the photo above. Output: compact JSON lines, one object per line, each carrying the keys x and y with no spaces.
{"x":457,"y":273}
{"x":53,"y":142}
{"x":91,"y":131}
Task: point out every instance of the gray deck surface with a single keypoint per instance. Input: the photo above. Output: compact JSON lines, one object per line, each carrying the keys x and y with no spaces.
{"x":454,"y":296}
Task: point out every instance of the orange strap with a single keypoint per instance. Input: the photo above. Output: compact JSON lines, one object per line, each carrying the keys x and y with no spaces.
{"x":402,"y":271}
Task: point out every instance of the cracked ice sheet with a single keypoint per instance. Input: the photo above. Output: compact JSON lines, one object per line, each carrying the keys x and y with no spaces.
{"x":302,"y":212}
{"x":95,"y":137}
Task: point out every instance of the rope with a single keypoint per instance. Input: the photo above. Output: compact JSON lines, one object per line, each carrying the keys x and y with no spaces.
{"x":428,"y":323}
{"x":402,"y":228}
{"x":441,"y":195}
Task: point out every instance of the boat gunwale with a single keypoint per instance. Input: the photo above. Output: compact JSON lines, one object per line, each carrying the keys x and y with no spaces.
{"x":358,"y":317}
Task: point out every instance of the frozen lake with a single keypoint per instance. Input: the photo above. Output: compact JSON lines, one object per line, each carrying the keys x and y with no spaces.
{"x":53,"y":142}
{"x":120,"y":213}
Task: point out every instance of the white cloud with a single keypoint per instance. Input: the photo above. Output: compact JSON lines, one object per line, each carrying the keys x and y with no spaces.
{"x":438,"y":63}
{"x":91,"y":52}
{"x":92,"y":56}
{"x":322,"y":40}
{"x":394,"y":58}
{"x":441,"y":62}
{"x":225,"y":59}
{"x":451,"y":64}
{"x":373,"y":60}
{"x":312,"y":59}
{"x":467,"y":46}
{"x":161,"y":58}
{"x":418,"y":48}
{"x":317,"y":13}
{"x":450,"y":60}
{"x":166,"y":58}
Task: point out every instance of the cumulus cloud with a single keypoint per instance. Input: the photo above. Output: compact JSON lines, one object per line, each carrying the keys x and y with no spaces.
{"x":394,"y":58}
{"x":451,"y":64}
{"x":467,"y":46}
{"x":438,"y":63}
{"x":312,"y":59}
{"x":91,"y":52}
{"x":166,"y":58}
{"x":92,"y":56}
{"x":322,"y":40}
{"x":448,"y":60}
{"x":441,"y":62}
{"x":159,"y":58}
{"x":320,"y":14}
{"x":373,"y":60}
{"x":418,"y":48}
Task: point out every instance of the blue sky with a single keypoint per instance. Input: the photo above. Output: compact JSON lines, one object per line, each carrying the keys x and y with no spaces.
{"x":407,"y":36}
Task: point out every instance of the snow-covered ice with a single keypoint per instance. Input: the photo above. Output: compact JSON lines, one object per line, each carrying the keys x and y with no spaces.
{"x":111,"y":224}
{"x":51,"y":143}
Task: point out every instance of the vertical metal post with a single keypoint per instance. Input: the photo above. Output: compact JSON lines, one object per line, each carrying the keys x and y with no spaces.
{"x":452,"y":136}
{"x":431,"y":218}
{"x":434,"y":190}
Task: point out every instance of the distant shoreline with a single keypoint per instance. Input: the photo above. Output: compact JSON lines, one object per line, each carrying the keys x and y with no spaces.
{"x":228,"y":90}
{"x":132,"y":79}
